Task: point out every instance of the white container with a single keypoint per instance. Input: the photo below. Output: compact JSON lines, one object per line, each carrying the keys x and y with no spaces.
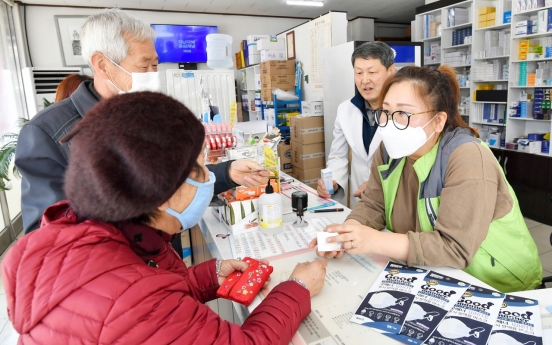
{"x":219,"y":51}
{"x":271,"y":221}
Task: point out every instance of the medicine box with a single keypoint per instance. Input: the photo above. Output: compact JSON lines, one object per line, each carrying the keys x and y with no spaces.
{"x":270,"y":44}
{"x":246,"y":152}
{"x":271,"y":55}
{"x":284,"y":153}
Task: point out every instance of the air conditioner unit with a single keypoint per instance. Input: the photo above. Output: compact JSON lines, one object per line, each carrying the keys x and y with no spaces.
{"x":41,"y":83}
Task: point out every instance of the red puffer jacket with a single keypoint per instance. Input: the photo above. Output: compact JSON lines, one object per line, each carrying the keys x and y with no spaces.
{"x":73,"y":282}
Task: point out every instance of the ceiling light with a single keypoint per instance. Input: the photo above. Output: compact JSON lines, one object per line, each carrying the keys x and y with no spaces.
{"x":305,"y":3}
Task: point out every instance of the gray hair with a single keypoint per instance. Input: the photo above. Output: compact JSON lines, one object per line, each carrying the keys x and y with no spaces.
{"x":375,"y":50}
{"x":105,"y":33}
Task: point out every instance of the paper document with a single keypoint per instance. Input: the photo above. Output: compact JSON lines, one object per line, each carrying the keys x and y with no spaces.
{"x":257,"y":245}
{"x":328,"y":322}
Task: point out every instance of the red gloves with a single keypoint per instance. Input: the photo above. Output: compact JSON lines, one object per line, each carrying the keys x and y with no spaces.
{"x":242,"y":287}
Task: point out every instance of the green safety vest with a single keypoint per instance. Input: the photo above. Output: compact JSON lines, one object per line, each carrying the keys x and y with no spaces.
{"x":508,"y":258}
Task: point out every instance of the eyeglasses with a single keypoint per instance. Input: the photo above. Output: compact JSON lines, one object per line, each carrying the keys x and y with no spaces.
{"x":401,"y":119}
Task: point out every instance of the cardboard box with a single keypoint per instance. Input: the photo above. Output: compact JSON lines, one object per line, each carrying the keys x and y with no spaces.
{"x":308,"y":156}
{"x":491,"y":16}
{"x":284,"y":82}
{"x":309,"y":176}
{"x":268,"y":96}
{"x":284,"y":152}
{"x":273,"y":55}
{"x":482,"y":24}
{"x":307,"y":130}
{"x":244,"y":193}
{"x":491,"y":22}
{"x":240,"y":216}
{"x":254,"y":59}
{"x":278,"y":67}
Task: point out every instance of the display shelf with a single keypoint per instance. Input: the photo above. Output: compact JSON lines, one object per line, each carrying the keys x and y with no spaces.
{"x":488,"y":123}
{"x":522,"y":37}
{"x":495,"y":27}
{"x":534,"y":60}
{"x":537,"y":154}
{"x":465,"y":45}
{"x":526,"y":119}
{"x":531,"y":11}
{"x":436,"y":38}
{"x":492,"y":58}
{"x":491,"y":81}
{"x":460,"y":26}
{"x":459,"y":4}
{"x":529,"y":87}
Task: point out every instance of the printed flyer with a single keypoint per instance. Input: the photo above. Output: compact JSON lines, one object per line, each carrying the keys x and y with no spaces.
{"x":388,"y":301}
{"x":519,"y":322}
{"x":471,"y":320}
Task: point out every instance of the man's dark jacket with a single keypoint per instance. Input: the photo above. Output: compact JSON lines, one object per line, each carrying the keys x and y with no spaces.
{"x":42,"y":160}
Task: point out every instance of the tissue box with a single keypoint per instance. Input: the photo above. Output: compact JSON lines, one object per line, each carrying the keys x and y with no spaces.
{"x":312,"y":108}
{"x":270,"y":44}
{"x":273,"y":55}
{"x":529,"y":146}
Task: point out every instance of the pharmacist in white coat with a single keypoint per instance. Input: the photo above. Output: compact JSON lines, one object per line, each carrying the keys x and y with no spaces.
{"x":373,"y":63}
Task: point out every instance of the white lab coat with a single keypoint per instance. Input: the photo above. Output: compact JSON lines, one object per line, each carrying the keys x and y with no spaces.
{"x":348,"y":133}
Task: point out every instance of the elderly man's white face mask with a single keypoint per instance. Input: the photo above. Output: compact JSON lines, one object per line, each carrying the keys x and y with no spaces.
{"x":145,"y":81}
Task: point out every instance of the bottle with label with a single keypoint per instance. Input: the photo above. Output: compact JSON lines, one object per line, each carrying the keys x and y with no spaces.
{"x":270,"y":211}
{"x":546,"y":106}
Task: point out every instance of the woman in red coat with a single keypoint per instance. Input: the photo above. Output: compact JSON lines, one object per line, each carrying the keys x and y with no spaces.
{"x":100,"y":270}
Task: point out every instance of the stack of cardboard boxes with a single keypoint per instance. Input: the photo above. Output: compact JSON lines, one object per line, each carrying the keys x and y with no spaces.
{"x":307,"y":148}
{"x":276,"y":75}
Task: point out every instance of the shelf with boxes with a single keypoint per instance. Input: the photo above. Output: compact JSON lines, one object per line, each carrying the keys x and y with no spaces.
{"x":307,"y":148}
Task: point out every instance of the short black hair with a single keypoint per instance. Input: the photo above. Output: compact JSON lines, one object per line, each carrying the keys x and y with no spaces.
{"x":375,"y":50}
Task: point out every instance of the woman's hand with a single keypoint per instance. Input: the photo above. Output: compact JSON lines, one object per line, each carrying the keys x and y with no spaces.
{"x":355,"y":238}
{"x":327,"y":255}
{"x":312,"y":274}
{"x":227,"y":267}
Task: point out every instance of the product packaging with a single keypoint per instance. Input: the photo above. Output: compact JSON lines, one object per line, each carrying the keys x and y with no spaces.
{"x":519,"y":322}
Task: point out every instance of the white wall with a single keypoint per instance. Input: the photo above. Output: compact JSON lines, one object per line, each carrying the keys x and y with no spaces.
{"x":44,"y":45}
{"x":361,"y":29}
{"x":303,"y":48}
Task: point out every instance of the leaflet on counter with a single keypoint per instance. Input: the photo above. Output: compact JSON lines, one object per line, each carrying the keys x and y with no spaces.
{"x":436,"y":297}
{"x":257,"y":245}
{"x":388,"y":301}
{"x":471,"y":320}
{"x":519,"y":322}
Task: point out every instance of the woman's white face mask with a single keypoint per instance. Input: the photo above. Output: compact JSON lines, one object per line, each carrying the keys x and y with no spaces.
{"x":145,"y":81}
{"x":401,"y":143}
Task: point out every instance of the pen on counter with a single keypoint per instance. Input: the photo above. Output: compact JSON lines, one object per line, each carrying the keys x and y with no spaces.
{"x":329,"y":210}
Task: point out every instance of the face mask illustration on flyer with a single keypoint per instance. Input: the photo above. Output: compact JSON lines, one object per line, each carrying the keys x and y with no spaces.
{"x":453,"y":329}
{"x":383,"y":300}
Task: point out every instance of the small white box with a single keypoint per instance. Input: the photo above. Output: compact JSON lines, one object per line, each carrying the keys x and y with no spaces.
{"x":306,"y":108}
{"x":255,"y":38}
{"x":521,"y":30}
{"x":324,"y":246}
{"x":254,"y":59}
{"x":326,"y":175}
{"x":317,"y":108}
{"x":273,"y":55}
{"x":246,"y":152}
{"x":270,"y":44}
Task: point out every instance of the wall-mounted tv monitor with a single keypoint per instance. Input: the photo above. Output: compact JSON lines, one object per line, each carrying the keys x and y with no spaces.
{"x":182,"y":43}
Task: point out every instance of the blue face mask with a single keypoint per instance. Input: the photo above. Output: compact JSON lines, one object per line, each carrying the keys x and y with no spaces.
{"x":193,"y":213}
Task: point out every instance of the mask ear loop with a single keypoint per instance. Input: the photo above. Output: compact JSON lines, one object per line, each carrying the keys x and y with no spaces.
{"x":112,"y":83}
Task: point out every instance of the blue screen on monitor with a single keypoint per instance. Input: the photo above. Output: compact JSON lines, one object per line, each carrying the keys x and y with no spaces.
{"x":405,"y":54}
{"x":182,"y":43}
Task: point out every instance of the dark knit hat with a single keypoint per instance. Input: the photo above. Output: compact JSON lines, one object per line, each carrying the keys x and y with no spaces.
{"x":130,"y":154}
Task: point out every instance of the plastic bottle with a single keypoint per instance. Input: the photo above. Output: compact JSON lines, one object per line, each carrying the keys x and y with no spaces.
{"x":219,"y":51}
{"x":270,"y":211}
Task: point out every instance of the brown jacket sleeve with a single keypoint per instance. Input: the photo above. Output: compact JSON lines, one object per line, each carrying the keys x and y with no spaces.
{"x":475,"y":193}
{"x":370,"y":210}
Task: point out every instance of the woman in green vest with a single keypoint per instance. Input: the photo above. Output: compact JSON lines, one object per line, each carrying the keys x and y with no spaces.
{"x":439,"y":190}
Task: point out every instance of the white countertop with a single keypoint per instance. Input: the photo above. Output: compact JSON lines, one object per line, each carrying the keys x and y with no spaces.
{"x":220,"y":248}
